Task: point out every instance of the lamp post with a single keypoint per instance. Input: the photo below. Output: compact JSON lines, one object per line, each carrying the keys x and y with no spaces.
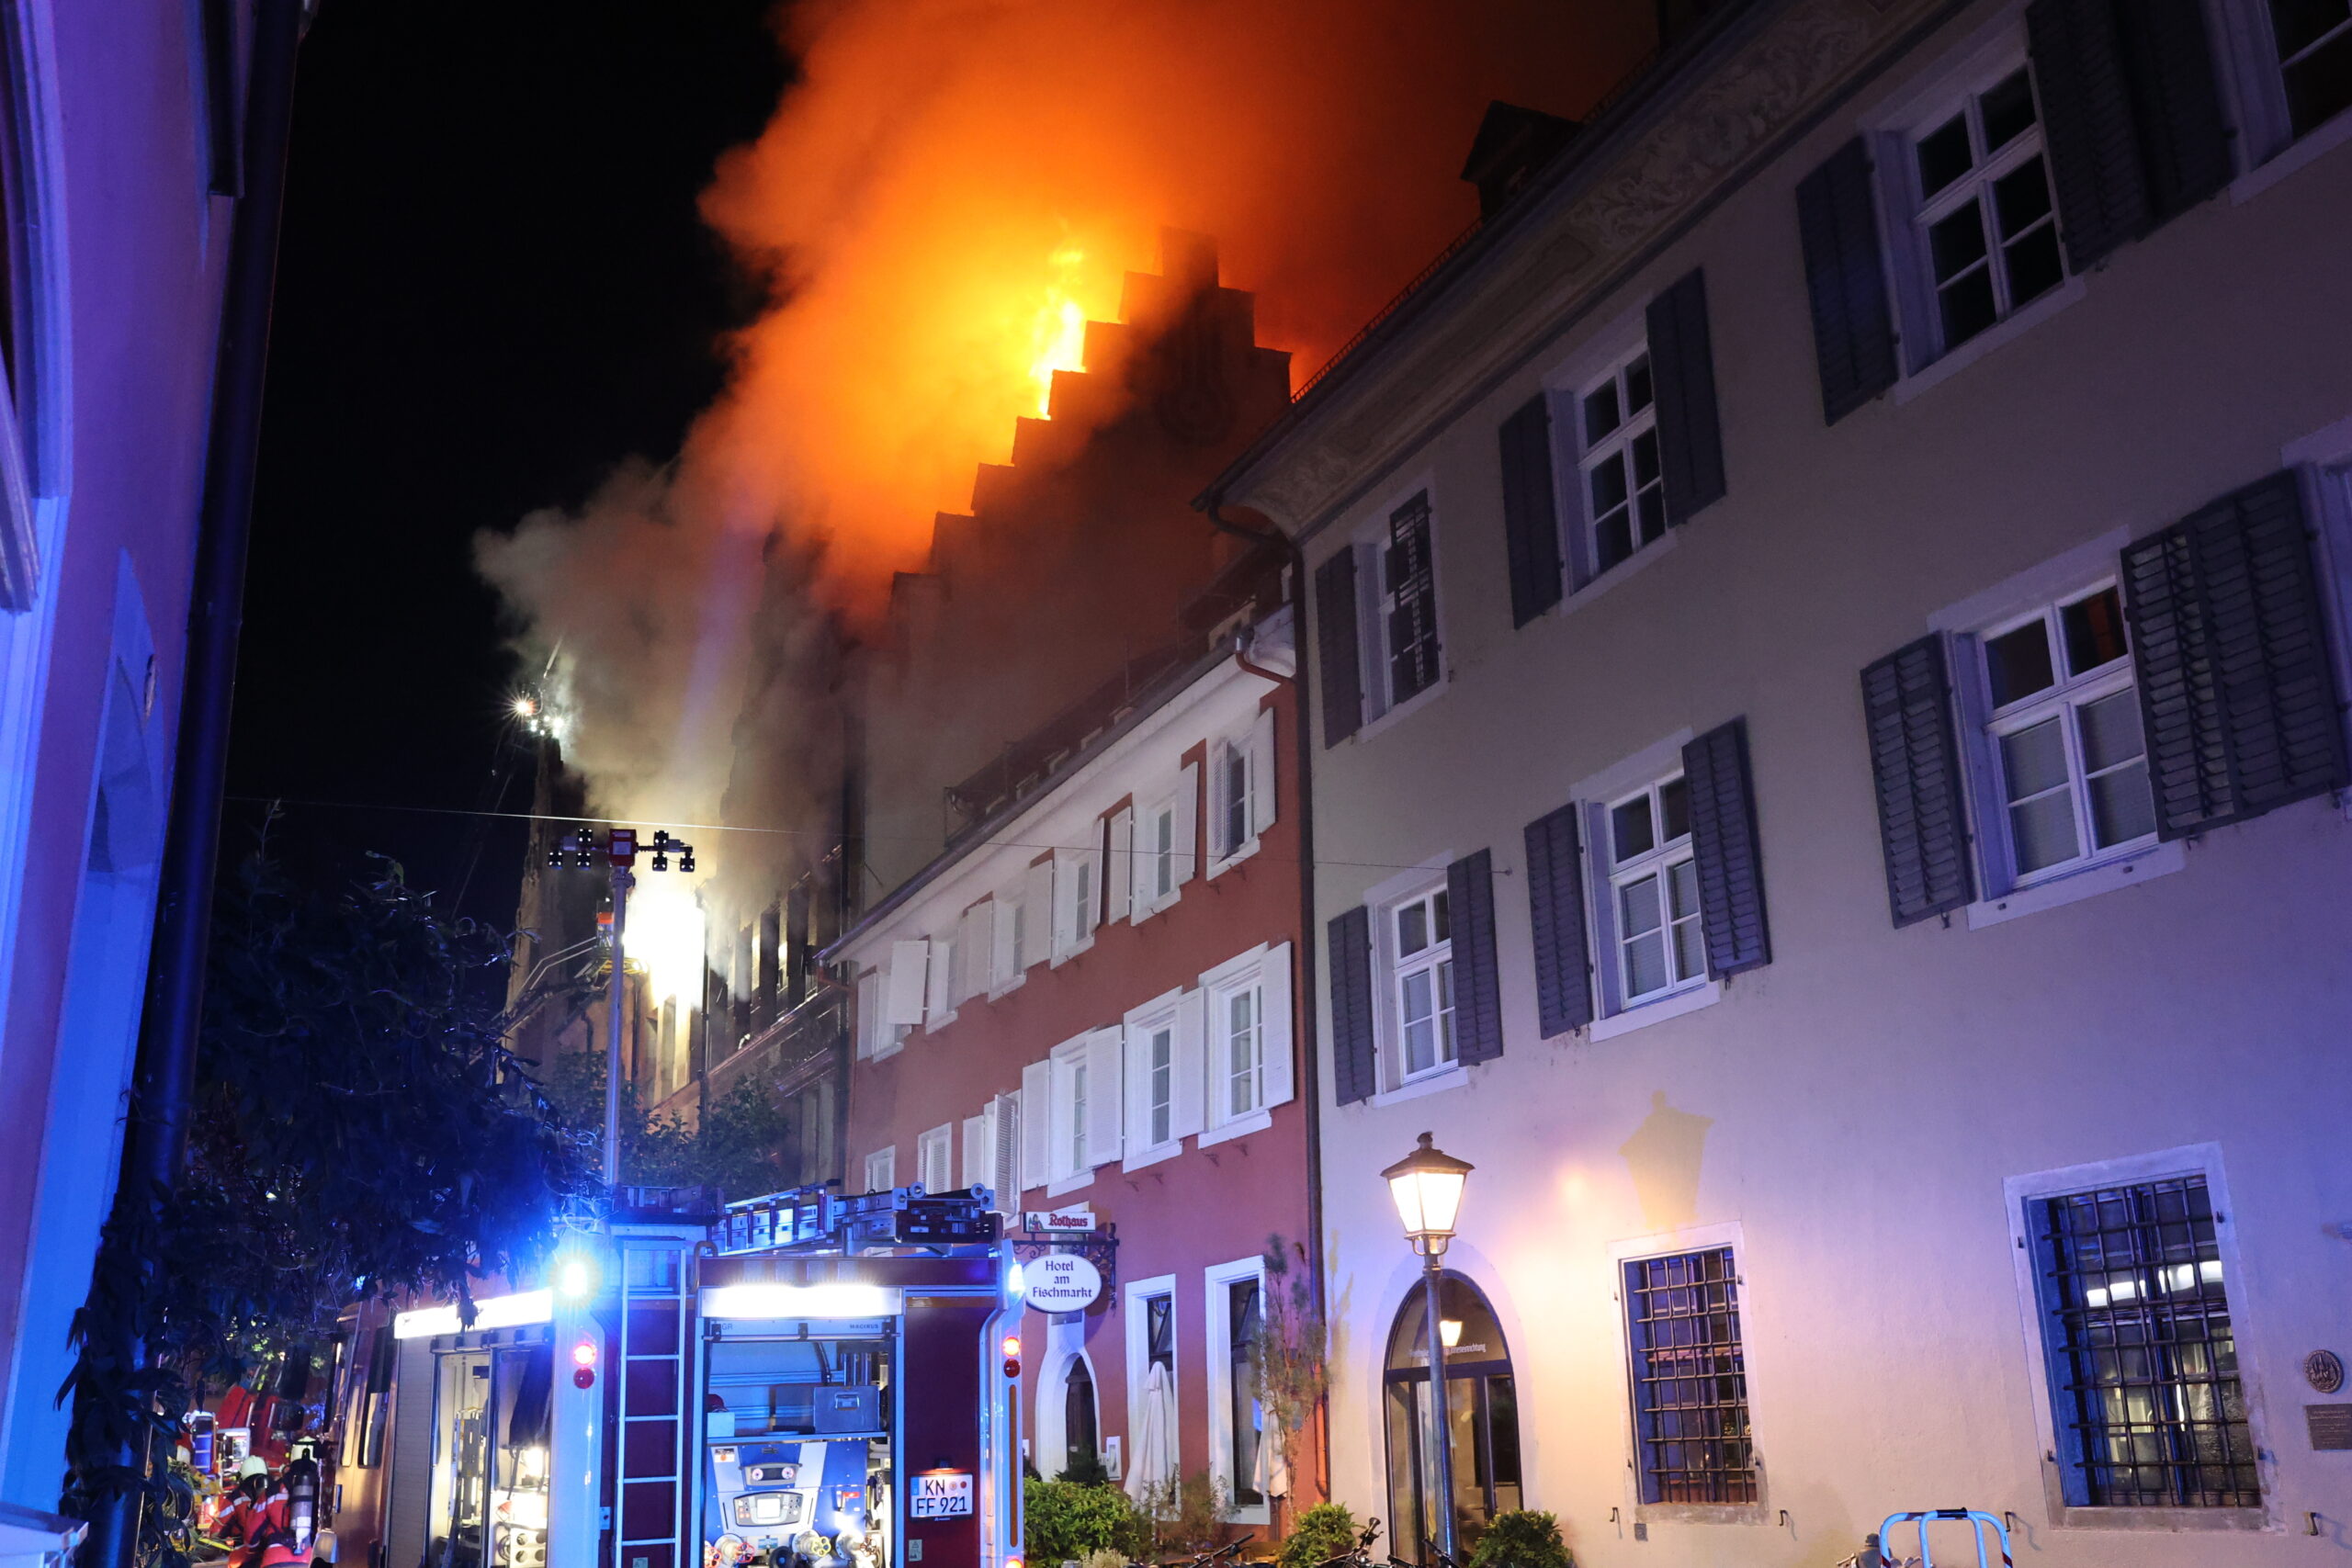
{"x":618,"y":852}
{"x":1426,"y":1188}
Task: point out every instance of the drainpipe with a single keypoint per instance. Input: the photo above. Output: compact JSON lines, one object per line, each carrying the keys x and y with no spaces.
{"x":1309,"y":1070}
{"x":156,"y":1138}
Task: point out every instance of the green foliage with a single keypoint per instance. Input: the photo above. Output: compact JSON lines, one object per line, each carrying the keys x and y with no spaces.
{"x":356,"y":1127}
{"x":1292,"y":1364}
{"x":1067,"y":1521}
{"x":1321,"y":1533}
{"x":1189,"y":1515}
{"x":746,"y":1142}
{"x":1524,"y":1538}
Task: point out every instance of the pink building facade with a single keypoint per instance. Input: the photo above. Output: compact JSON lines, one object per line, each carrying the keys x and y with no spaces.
{"x":1091,"y":1004}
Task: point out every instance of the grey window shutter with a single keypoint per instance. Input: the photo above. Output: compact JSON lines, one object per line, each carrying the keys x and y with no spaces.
{"x":1853,"y":331}
{"x":1530,"y":519}
{"x":1915,"y":761}
{"x":1722,"y":843}
{"x":2132,"y":115}
{"x":1412,"y":584}
{"x":1683,"y":371}
{"x":1555,"y":910}
{"x":1354,"y":1073}
{"x":1477,"y":985}
{"x":2237,"y":692}
{"x":1336,"y":646}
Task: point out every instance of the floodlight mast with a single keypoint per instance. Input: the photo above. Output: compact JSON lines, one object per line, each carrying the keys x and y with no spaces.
{"x":618,"y":853}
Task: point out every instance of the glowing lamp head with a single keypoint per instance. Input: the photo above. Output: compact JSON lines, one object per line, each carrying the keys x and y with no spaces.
{"x":1012,"y":1346}
{"x":575,"y":1277}
{"x":1426,"y":1188}
{"x":1450,"y":1330}
{"x":526,"y":708}
{"x":584,"y":1355}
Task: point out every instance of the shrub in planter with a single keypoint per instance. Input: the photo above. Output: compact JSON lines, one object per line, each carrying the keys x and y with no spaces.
{"x":1523,"y":1537}
{"x":1067,"y":1521}
{"x":1320,"y":1534}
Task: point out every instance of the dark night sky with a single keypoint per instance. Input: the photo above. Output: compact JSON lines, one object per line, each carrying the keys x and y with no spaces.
{"x":493,"y":284}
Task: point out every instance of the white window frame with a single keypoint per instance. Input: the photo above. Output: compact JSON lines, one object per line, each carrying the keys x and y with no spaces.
{"x":1388,"y":1033}
{"x":1612,"y":1014}
{"x":1005,"y":971}
{"x":1137,"y":1318}
{"x":878,"y":1039}
{"x":2253,"y":84}
{"x":975,"y":970}
{"x":1755,"y":1332}
{"x":1435,"y":958}
{"x":1156,"y":884}
{"x":1230,"y":796}
{"x":1214,"y":1279}
{"x":2066,"y":696}
{"x":1264,"y":974}
{"x":1146,"y":1077}
{"x":1986,"y":58}
{"x":1631,"y":347}
{"x":1611,"y":878}
{"x":1078,"y":897}
{"x":882,"y":1170}
{"x":2193,"y":1159}
{"x":1068,"y":1160}
{"x":936,"y":1156}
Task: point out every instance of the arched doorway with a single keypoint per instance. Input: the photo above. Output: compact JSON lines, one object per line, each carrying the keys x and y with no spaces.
{"x":1482,"y":1409}
{"x":1083,"y":1460}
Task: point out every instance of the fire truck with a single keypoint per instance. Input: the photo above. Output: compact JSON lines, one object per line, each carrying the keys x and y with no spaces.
{"x":806,"y":1380}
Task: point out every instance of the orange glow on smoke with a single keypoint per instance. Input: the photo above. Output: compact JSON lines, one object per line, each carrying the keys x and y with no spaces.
{"x":953,"y":188}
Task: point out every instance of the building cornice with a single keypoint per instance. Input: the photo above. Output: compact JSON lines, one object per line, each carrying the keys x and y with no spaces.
{"x":1607,"y":208}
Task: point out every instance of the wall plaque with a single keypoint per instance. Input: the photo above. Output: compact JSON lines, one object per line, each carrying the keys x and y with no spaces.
{"x":2331,"y":1426}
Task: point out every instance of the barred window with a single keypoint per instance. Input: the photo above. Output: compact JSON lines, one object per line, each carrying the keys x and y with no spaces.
{"x":2144,"y":1366}
{"x":1690,"y":1425}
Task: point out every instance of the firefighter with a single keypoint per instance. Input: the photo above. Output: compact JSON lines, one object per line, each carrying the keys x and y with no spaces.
{"x":286,"y":1529}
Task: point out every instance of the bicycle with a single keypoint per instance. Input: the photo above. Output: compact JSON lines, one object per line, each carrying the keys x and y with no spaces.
{"x":1358,"y":1555}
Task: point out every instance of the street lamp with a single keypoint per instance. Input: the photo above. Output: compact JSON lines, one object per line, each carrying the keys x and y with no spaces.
{"x":618,"y":852}
{"x":1426,"y":1188}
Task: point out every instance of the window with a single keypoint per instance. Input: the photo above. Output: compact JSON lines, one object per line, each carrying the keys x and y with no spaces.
{"x":1624,"y":482}
{"x":1248,"y":1033}
{"x":1423,"y":933}
{"x":1654,"y":892}
{"x":1403,"y":627}
{"x":1232,"y":809}
{"x":2143,"y":1358}
{"x":935,"y":1160}
{"x":1086,"y":1113}
{"x":2069,"y":764}
{"x":1150,"y":1317}
{"x":1692,"y":1438}
{"x":2314,"y":41}
{"x":1154,"y":886}
{"x":1241,"y":1449}
{"x":1986,"y":228}
{"x":1166,"y":1076}
{"x":1078,"y":897}
{"x":882,"y":1171}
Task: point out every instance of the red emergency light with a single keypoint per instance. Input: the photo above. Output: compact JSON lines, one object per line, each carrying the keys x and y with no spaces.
{"x":1012,"y":1354}
{"x":583,"y":1364}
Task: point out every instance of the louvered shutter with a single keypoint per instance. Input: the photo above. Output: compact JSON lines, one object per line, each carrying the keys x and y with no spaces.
{"x":1723,"y":847}
{"x":1004,"y":1149}
{"x":2237,"y":693}
{"x":939,"y":990}
{"x":1118,"y":867}
{"x":1275,"y":1033}
{"x":1478,"y":982}
{"x":1106,"y":1103}
{"x":1916,"y":764}
{"x":1188,"y":1096}
{"x":1853,"y":331}
{"x":903,"y":983}
{"x":1555,"y":910}
{"x":1683,"y":372}
{"x":1336,"y":646}
{"x":1036,"y":1121}
{"x":1411,"y":590}
{"x":1354,"y":1070}
{"x":1530,"y":517}
{"x":2131,"y":115}
{"x":2178,"y":99}
{"x":978,"y":1155}
{"x":1038,"y":913}
{"x":1187,"y":837}
{"x":1262,"y":772}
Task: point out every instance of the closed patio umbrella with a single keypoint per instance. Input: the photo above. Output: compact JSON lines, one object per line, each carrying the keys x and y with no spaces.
{"x":1153,"y":1464}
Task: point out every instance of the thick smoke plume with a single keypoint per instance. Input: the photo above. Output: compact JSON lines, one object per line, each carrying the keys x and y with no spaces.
{"x":948,"y":192}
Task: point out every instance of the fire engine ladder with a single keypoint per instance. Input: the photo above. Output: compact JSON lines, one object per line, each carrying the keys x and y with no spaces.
{"x":654,"y":1433}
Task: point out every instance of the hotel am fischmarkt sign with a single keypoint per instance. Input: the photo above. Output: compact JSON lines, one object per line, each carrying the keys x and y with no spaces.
{"x":1060,"y":1282}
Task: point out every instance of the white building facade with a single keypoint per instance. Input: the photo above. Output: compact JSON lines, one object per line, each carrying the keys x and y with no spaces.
{"x":1828,"y":761}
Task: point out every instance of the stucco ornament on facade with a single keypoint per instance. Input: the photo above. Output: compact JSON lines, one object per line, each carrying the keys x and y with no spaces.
{"x":1565,"y":259}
